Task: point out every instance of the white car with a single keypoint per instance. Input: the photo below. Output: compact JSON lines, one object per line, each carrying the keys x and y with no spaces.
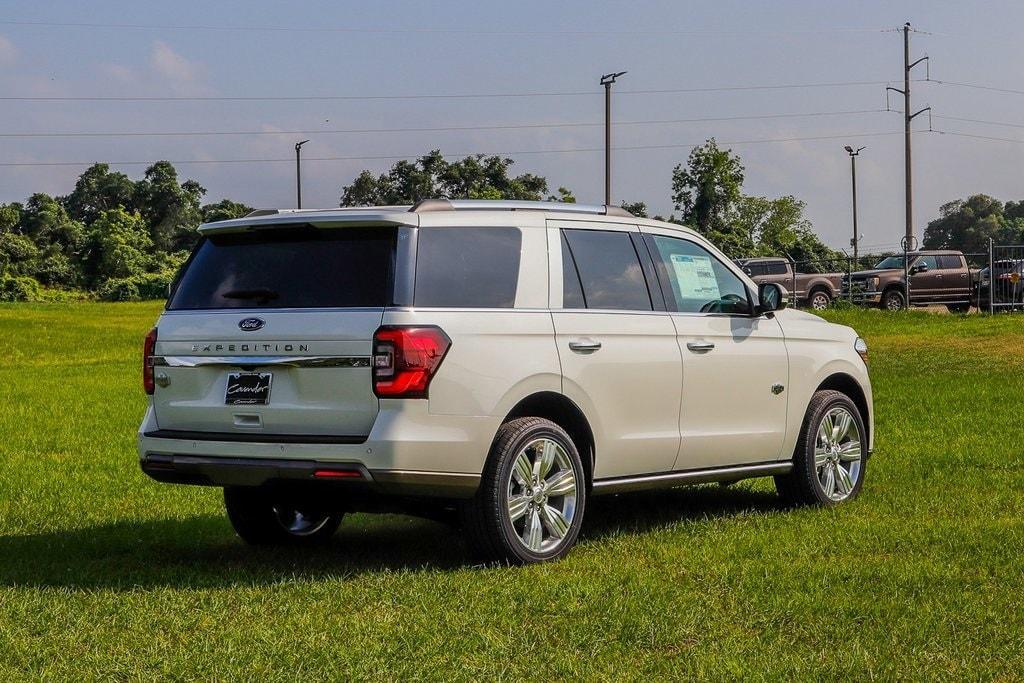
{"x":502,"y":360}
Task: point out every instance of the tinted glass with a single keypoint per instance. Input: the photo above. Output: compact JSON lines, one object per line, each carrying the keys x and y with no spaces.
{"x":927,"y":261}
{"x":890,"y":262}
{"x":609,"y":270}
{"x":289,"y":268}
{"x":699,"y":282}
{"x":467,"y":267}
{"x":949,"y":262}
{"x":572,"y":291}
{"x":756,"y":269}
{"x":776,"y":268}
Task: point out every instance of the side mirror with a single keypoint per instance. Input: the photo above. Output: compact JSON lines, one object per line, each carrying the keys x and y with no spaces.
{"x":748,"y":271}
{"x":771,"y":297}
{"x":919,"y":268}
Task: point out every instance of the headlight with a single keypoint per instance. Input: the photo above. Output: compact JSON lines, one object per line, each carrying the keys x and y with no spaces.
{"x":861,"y":347}
{"x":872,"y":284}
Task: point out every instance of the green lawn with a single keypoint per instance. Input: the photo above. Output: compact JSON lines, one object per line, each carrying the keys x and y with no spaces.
{"x":105,"y":574}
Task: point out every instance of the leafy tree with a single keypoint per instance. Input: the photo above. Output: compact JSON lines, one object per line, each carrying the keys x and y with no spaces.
{"x":18,"y":255}
{"x":430,"y":176}
{"x":119,"y":245}
{"x":223,"y":210}
{"x":638,"y":209}
{"x":564,"y":195}
{"x":707,"y":189}
{"x":169,"y":208}
{"x":98,"y":190}
{"x":10,"y":217}
{"x":967,"y":224}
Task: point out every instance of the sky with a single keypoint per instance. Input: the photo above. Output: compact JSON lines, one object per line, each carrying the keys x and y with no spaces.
{"x":385,"y":49}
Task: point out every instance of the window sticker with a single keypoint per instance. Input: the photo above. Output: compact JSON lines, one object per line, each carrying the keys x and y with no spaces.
{"x":695,"y":278}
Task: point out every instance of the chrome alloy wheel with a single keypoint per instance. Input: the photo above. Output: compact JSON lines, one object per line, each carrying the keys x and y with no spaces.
{"x":820,"y":301}
{"x":541,"y":495}
{"x":299,"y":523}
{"x":837,"y":453}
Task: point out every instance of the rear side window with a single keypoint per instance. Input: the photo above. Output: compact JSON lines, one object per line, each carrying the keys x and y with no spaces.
{"x":609,"y":270}
{"x":289,"y":268}
{"x":467,"y":267}
{"x":776,"y":267}
{"x":572,"y":290}
{"x":949,"y":262}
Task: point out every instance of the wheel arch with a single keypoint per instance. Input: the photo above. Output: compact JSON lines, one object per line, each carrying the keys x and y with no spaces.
{"x":561,"y":410}
{"x":848,"y":386}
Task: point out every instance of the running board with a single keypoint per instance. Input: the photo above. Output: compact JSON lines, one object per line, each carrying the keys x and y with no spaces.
{"x":644,"y":482}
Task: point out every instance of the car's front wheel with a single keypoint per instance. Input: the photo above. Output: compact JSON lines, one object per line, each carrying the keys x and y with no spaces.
{"x":820,"y":300}
{"x":894,"y":300}
{"x":260,"y":518}
{"x":831,"y":453}
{"x":532,"y":495}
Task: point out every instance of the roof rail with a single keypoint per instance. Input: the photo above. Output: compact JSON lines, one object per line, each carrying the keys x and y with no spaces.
{"x":426,"y":205}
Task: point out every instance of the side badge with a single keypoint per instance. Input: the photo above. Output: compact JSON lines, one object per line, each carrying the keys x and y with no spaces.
{"x":778,"y":389}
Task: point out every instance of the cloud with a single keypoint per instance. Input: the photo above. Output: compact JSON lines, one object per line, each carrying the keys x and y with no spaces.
{"x":8,"y":53}
{"x":183,"y":74}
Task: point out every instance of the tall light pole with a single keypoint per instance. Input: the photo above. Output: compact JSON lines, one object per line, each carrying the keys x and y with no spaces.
{"x":853,"y":175}
{"x":298,"y":173}
{"x":607,"y":81}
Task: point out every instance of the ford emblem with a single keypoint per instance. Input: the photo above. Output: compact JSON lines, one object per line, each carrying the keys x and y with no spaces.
{"x":251,"y":324}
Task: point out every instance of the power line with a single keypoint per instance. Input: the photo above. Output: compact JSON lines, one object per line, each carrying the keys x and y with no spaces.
{"x":461,"y":154}
{"x":432,"y":129}
{"x":452,"y":96}
{"x":977,"y":86}
{"x":977,"y":137}
{"x":984,"y":121}
{"x":432,"y":31}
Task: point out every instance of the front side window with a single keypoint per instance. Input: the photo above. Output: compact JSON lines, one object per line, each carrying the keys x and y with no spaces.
{"x":756,"y":269}
{"x":609,"y":270}
{"x":926,"y":261}
{"x":467,"y":267}
{"x":698,"y":281}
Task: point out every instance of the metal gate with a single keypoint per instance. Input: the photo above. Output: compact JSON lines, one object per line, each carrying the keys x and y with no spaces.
{"x":1001,"y":285}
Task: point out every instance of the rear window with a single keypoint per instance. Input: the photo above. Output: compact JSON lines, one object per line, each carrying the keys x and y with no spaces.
{"x":467,"y":267}
{"x":289,"y":268}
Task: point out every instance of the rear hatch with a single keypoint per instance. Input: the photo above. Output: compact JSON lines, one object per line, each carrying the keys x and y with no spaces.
{"x":269,"y":333}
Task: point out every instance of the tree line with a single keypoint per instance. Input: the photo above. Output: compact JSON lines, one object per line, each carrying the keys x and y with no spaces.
{"x":121,"y":239}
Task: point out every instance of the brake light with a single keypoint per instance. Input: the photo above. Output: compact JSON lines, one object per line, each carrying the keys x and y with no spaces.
{"x":147,"y":361}
{"x":405,"y":359}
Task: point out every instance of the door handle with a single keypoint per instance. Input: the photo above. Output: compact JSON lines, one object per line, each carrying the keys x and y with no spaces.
{"x":585,"y":346}
{"x":700,"y":347}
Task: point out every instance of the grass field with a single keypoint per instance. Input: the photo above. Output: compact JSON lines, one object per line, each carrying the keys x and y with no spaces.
{"x":107,"y":575}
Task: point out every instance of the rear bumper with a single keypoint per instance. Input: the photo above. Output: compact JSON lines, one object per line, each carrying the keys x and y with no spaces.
{"x":409,"y":451}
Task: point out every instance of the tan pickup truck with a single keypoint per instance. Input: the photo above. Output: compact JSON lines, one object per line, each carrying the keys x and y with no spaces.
{"x":936,"y":277}
{"x":816,"y":290}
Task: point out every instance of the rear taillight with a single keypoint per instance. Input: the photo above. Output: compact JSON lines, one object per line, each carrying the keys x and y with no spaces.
{"x":405,"y":359}
{"x":147,"y":361}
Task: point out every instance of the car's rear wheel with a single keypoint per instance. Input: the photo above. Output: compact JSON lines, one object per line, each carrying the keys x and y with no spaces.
{"x":958,"y":308}
{"x":532,"y":495}
{"x":820,"y":300}
{"x":260,"y":518}
{"x":831,"y":453}
{"x":893,"y":300}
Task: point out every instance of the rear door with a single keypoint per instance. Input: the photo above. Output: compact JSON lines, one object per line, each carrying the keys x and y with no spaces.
{"x":270,"y":331}
{"x":953,"y":277}
{"x":620,"y":361}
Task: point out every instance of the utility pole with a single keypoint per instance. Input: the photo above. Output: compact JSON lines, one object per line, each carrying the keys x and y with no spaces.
{"x":853,"y":174}
{"x":607,"y":81}
{"x":907,"y":118}
{"x":298,"y":173}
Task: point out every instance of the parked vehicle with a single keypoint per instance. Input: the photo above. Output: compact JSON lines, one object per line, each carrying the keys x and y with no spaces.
{"x":1007,"y":285}
{"x":502,"y":361}
{"x":816,"y":290}
{"x":936,"y":277}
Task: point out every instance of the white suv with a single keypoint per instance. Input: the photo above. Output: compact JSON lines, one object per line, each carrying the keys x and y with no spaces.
{"x":500,"y":360}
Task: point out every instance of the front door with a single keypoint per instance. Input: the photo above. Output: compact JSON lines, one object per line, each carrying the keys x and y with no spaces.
{"x":735,"y":365}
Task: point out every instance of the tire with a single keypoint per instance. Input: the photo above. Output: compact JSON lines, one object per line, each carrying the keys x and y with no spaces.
{"x":958,"y":308}
{"x":512,"y":520}
{"x":819,"y":300}
{"x":259,"y":519}
{"x":894,"y":300}
{"x":809,"y":483}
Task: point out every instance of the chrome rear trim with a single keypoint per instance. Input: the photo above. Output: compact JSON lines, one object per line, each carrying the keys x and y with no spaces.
{"x":670,"y":479}
{"x":261,"y":361}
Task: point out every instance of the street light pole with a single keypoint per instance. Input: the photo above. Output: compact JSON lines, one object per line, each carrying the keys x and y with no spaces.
{"x":298,"y":173}
{"x":853,"y":175}
{"x":606,"y":81}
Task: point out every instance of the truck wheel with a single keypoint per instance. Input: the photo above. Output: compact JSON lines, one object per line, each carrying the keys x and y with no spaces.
{"x":893,"y":300}
{"x":532,"y":495}
{"x":958,"y":308}
{"x":820,"y":300}
{"x":259,"y":519}
{"x":830,"y":456}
